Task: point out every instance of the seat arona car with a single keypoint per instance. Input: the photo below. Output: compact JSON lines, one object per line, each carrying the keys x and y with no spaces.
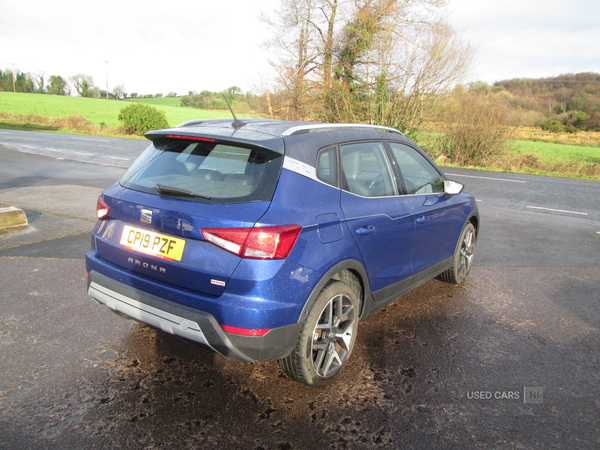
{"x":270,"y":240}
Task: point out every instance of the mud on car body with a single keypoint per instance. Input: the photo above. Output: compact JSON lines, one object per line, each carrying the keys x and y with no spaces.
{"x":270,"y":240}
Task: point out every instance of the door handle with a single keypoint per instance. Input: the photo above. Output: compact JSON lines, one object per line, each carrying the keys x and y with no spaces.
{"x":365,"y":230}
{"x":422,"y":219}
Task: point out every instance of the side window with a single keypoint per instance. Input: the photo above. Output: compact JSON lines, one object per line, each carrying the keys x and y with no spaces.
{"x":367,"y":170}
{"x":419,"y":175}
{"x":327,"y":166}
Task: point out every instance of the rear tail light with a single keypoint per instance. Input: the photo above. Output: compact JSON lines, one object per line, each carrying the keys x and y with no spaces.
{"x":255,"y":243}
{"x":102,"y":209}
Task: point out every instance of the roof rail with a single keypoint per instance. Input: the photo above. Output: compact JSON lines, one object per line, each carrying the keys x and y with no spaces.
{"x":190,"y":123}
{"x":309,"y":127}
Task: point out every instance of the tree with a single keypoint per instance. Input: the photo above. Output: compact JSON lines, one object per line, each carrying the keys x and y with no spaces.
{"x":353,"y":88}
{"x":375,"y":61}
{"x":40,"y":82}
{"x":329,"y":10}
{"x":294,"y":51}
{"x":83,"y":84}
{"x":119,"y":92}
{"x":95,"y":92}
{"x":5,"y":80}
{"x":424,"y":72}
{"x":24,"y":82}
{"x":232,"y":92}
{"x":57,"y":86}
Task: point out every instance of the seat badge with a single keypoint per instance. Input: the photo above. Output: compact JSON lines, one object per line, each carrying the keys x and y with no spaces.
{"x":146,"y":216}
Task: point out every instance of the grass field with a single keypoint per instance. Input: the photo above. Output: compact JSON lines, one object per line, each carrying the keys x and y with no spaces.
{"x":161,"y":101}
{"x":557,"y":153}
{"x":95,"y":110}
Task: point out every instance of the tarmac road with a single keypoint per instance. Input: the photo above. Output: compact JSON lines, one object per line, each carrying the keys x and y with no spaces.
{"x":508,"y":360}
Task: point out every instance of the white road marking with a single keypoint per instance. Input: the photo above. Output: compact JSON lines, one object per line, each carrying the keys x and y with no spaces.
{"x":88,"y":139}
{"x":28,"y":146}
{"x":116,"y":157}
{"x":558,"y":210}
{"x":486,"y":178}
{"x":83,"y":154}
{"x":52,"y":150}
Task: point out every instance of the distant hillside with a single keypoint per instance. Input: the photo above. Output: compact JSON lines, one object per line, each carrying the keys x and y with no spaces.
{"x":556,"y":96}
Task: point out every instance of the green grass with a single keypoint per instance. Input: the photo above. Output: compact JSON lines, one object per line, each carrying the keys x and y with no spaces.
{"x":161,"y":101}
{"x":536,"y":158}
{"x":97,"y":111}
{"x":559,"y":153}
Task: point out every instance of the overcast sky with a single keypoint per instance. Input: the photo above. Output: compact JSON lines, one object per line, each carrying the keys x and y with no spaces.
{"x":183,"y":45}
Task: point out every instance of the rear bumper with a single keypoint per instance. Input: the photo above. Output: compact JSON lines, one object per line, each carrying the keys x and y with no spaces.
{"x":190,"y":323}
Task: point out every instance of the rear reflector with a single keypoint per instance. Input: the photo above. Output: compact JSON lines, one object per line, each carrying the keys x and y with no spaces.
{"x":245,"y":331}
{"x":102,"y":209}
{"x":255,"y":243}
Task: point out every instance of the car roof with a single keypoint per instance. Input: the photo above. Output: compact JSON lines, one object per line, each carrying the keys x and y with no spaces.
{"x":298,"y":140}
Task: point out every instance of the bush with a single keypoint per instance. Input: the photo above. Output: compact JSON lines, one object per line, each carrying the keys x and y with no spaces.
{"x":576,"y":118}
{"x":138,"y":118}
{"x":525,"y":118}
{"x":554,"y":126}
{"x":593,"y":122}
{"x":478,"y":132}
{"x":571,"y":129}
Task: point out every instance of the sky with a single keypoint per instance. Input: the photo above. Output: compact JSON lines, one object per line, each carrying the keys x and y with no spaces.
{"x":193,"y":45}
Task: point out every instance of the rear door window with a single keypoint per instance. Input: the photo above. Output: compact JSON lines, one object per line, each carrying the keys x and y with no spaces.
{"x":367,"y":171}
{"x":205,"y":172}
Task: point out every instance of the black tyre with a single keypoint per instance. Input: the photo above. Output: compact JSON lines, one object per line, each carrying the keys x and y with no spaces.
{"x":327,"y":337}
{"x":463,"y":257}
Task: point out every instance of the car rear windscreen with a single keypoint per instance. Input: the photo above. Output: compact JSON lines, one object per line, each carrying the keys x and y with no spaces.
{"x":206,"y":172}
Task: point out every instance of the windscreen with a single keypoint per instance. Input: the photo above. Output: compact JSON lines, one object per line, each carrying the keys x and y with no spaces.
{"x":206,"y":172}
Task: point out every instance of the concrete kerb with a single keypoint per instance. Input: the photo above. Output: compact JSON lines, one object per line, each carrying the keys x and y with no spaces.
{"x":11,"y":217}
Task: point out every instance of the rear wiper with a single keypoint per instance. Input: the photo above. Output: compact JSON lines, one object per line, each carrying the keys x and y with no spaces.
{"x":169,"y":190}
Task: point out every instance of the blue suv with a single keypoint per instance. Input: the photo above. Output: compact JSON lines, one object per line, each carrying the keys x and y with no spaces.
{"x":270,"y":240}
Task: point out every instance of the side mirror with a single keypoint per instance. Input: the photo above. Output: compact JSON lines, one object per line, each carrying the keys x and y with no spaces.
{"x":452,"y":187}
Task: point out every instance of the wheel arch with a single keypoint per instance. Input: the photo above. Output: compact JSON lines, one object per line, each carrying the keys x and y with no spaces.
{"x":350,"y":272}
{"x":474,"y":219}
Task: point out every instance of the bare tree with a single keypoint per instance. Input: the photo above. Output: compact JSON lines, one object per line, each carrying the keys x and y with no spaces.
{"x":420,"y":71}
{"x":39,"y":79}
{"x":379,"y":61}
{"x":119,"y":92}
{"x":291,"y":47}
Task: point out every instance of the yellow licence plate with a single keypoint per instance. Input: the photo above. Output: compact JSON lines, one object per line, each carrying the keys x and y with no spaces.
{"x":150,"y":243}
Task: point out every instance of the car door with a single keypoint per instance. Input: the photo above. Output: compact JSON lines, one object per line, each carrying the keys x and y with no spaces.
{"x":380,"y":221}
{"x":437,"y":217}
